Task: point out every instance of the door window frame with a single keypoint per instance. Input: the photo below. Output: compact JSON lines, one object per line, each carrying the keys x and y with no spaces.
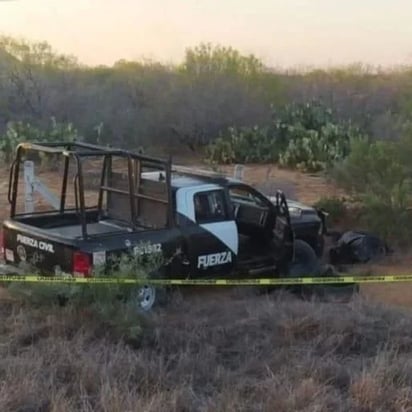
{"x":212,"y":218}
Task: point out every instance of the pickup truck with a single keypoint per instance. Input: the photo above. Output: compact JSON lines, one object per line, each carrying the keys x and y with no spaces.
{"x":204,"y":225}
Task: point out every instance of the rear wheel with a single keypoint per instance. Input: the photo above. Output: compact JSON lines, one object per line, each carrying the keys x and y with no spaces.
{"x":144,"y":297}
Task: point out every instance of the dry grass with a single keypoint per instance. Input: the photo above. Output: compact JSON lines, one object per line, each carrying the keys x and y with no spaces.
{"x":210,"y":352}
{"x":215,"y":352}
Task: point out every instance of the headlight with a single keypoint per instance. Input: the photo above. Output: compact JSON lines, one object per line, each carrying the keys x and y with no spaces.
{"x":295,"y":211}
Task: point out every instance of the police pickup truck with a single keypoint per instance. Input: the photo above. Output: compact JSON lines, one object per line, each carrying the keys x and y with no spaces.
{"x":204,"y":225}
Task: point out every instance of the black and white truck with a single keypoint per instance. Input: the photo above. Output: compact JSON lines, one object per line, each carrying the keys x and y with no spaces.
{"x":204,"y":225}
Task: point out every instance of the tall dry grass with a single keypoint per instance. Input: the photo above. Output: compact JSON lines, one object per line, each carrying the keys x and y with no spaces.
{"x":209,"y":352}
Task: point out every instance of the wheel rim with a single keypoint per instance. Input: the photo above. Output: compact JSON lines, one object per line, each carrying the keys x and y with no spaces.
{"x":146,"y":296}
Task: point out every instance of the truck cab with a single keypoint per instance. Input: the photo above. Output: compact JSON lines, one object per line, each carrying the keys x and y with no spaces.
{"x":229,"y":227}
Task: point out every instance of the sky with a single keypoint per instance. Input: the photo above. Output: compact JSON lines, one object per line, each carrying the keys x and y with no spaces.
{"x":283,"y":33}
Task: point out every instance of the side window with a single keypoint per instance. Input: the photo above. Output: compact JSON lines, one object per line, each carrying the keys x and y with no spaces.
{"x":210,"y":206}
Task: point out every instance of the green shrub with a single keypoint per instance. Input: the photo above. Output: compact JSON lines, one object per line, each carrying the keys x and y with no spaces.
{"x":374,"y":167}
{"x":377,"y":175}
{"x":18,"y":132}
{"x":243,"y":145}
{"x":315,"y":150}
{"x":304,"y":136}
{"x":335,"y":207}
{"x":391,"y":220}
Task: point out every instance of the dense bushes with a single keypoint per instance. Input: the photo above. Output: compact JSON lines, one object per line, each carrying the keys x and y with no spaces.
{"x":214,"y":87}
{"x":378,"y":177}
{"x":334,"y":206}
{"x":243,"y":145}
{"x":305,"y":136}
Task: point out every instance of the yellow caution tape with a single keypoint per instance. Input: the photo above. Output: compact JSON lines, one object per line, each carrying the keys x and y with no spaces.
{"x":335,"y":280}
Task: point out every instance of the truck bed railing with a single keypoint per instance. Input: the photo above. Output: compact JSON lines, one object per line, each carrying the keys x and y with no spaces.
{"x":134,"y":184}
{"x":90,"y":149}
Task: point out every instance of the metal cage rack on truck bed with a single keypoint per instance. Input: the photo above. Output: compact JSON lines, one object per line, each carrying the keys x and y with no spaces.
{"x":138,"y":191}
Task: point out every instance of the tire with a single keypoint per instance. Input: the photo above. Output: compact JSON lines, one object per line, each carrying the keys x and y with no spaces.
{"x":145,"y":298}
{"x":305,"y":262}
{"x":317,"y":243}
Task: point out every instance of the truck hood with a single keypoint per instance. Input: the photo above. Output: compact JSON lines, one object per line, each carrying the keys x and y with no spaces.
{"x":299,"y":212}
{"x":305,"y":208}
{"x":293,"y":204}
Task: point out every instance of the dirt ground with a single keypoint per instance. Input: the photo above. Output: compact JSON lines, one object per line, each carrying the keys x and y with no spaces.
{"x":298,"y":186}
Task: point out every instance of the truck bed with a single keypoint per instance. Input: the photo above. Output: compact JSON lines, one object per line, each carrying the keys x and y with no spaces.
{"x":93,"y":229}
{"x":68,"y":225}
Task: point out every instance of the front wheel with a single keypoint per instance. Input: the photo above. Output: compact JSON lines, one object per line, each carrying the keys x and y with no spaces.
{"x":305,"y":262}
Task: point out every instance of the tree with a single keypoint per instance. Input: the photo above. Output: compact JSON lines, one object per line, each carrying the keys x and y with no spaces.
{"x":33,"y":71}
{"x":206,"y":59}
